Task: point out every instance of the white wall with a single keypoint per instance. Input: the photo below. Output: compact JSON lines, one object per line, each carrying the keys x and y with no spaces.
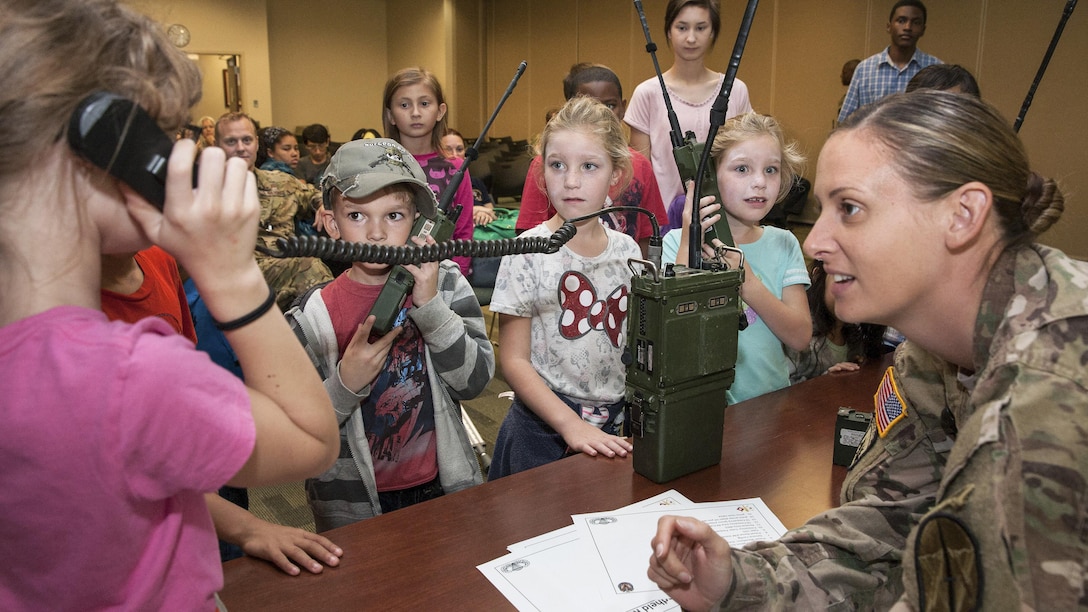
{"x":328,"y":62}
{"x":225,"y":26}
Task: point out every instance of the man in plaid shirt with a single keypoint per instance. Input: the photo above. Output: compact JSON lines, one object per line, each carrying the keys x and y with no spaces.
{"x":890,"y":70}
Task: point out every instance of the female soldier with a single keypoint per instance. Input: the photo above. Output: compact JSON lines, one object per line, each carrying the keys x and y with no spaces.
{"x":969,"y":490}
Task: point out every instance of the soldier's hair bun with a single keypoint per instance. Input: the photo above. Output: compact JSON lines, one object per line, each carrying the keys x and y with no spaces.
{"x":1042,"y":205}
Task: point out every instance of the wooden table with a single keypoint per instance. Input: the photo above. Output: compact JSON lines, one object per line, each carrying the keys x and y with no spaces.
{"x":777,"y":447}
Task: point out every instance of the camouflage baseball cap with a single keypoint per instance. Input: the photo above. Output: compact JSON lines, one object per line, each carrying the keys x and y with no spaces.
{"x":362,"y":167}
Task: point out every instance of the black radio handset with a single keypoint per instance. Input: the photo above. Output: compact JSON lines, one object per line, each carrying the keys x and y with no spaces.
{"x":389,"y":306}
{"x":117,"y":135}
{"x":687,"y":152}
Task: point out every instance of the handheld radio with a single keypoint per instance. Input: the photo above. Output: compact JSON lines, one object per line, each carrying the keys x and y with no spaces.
{"x":676,"y":395}
{"x":117,"y":135}
{"x":389,"y":307}
{"x":688,"y":152}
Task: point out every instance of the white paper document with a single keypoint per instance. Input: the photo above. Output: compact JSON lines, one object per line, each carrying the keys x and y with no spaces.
{"x":621,"y":540}
{"x":599,"y":563}
{"x":668,"y":499}
{"x":554,"y":571}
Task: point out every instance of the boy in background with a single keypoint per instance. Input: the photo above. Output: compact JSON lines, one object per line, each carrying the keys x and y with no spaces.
{"x":315,"y":138}
{"x":892,"y":69}
{"x":396,"y":396}
{"x":599,"y":82}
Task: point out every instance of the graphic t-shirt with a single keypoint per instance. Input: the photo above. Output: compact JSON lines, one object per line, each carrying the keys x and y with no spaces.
{"x":398,"y":414}
{"x":578,"y":307}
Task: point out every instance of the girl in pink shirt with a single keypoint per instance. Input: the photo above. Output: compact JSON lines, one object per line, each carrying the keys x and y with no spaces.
{"x":414,"y":114}
{"x":113,"y":431}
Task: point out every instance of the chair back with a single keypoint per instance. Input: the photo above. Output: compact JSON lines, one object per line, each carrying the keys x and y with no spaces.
{"x":508,"y":177}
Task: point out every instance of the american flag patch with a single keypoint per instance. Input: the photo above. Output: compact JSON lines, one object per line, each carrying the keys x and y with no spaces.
{"x":890,"y":406}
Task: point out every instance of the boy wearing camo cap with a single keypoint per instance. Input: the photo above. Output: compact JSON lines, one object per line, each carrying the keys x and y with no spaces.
{"x":402,"y":440}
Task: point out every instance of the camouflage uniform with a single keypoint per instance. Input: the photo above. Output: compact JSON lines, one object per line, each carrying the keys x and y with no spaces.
{"x":977,"y":495}
{"x":283,"y":200}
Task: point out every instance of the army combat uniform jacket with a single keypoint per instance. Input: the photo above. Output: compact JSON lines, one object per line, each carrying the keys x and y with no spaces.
{"x":284,"y":199}
{"x":967,"y":492}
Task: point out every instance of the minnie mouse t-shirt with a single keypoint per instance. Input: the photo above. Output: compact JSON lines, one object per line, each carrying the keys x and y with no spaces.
{"x":578,"y":307}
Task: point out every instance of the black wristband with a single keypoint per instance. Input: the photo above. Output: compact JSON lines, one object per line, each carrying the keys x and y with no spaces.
{"x":246,"y":319}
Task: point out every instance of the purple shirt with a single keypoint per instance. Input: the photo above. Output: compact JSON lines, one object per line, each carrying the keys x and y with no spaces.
{"x":440,"y":171}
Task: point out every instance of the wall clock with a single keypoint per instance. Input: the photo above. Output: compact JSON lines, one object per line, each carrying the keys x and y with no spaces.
{"x":178,"y":34}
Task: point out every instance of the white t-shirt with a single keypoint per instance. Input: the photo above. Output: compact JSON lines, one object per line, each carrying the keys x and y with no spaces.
{"x":578,"y":329}
{"x":647,"y":113}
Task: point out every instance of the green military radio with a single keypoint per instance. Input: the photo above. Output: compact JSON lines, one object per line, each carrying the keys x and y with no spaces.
{"x":677,"y":404}
{"x":683,"y":322}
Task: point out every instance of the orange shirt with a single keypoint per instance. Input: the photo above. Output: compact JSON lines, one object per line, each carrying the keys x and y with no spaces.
{"x":161,"y":295}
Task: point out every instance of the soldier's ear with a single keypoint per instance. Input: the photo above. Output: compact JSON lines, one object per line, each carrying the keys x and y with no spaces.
{"x":969,"y":209}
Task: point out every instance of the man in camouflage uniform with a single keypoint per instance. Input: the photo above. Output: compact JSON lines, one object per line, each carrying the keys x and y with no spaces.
{"x":971,"y":493}
{"x":284,"y":199}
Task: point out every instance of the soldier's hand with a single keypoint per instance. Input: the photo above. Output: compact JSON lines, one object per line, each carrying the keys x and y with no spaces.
{"x":691,"y":562}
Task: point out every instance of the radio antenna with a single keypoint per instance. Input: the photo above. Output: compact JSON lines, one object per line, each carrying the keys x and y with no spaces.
{"x":1069,"y":6}
{"x":675,"y":134}
{"x":717,"y":119}
{"x":473,"y":152}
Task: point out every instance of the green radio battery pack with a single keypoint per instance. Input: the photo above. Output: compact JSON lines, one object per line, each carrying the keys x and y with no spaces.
{"x":682,"y":330}
{"x":678,"y":431}
{"x":682,"y":326}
